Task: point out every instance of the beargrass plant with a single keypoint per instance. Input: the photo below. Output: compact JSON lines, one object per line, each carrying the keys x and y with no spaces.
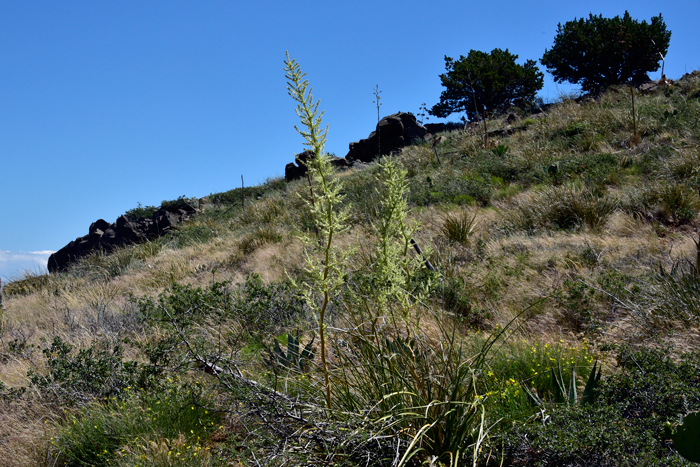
{"x":459,"y":227}
{"x":563,"y":207}
{"x":675,"y":294}
{"x":325,"y":275}
{"x":402,"y":365}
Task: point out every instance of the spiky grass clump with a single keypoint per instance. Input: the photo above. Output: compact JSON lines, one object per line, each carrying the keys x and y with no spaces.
{"x":459,"y":227}
{"x":675,"y":295}
{"x":562,"y":207}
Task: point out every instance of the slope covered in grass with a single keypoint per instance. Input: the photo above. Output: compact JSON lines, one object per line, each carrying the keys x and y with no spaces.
{"x":561,"y":244}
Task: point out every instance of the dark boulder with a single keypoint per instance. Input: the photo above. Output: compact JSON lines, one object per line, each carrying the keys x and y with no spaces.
{"x":392,"y":133}
{"x":99,"y":224}
{"x":103,"y":236}
{"x":296,"y":171}
{"x":435,"y":128}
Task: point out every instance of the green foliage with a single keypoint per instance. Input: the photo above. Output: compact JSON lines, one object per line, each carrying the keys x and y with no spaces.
{"x":675,"y":294}
{"x":458,"y":297}
{"x":459,"y":227}
{"x":626,"y":423}
{"x":261,"y":235}
{"x":448,"y":189}
{"x":113,"y":432}
{"x":680,"y":203}
{"x":97,"y":372}
{"x":255,"y":307}
{"x":293,"y":358}
{"x":567,"y":393}
{"x":140,"y":212}
{"x":192,"y":234}
{"x":599,"y":52}
{"x":564,"y":207}
{"x":233,"y":197}
{"x":487,"y":80}
{"x":500,"y":150}
{"x":414,"y":389}
{"x":578,"y":307}
{"x":266,"y":308}
{"x":686,"y":438}
{"x":520,"y":375}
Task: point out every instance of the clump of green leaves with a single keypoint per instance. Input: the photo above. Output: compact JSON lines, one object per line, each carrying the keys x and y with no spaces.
{"x":97,"y":372}
{"x":649,"y":390}
{"x":564,"y":207}
{"x":459,"y":227}
{"x":293,"y":357}
{"x":598,"y":52}
{"x":487,"y":84}
{"x":140,"y":212}
{"x":132,"y":429}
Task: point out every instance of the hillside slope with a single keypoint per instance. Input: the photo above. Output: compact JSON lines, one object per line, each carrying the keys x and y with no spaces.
{"x":562,"y":242}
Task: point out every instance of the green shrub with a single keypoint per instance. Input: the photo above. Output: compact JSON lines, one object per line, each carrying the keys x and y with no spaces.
{"x":564,"y":207}
{"x":679,"y":202}
{"x":447,"y":189}
{"x":256,"y":307}
{"x":118,"y":432}
{"x":97,"y":372}
{"x":458,"y":298}
{"x":625,"y":426}
{"x":578,"y":308}
{"x":675,"y":295}
{"x":140,"y":212}
{"x":458,"y":227}
{"x":594,"y":168}
{"x":266,"y":308}
{"x":260,"y":236}
{"x":192,"y":234}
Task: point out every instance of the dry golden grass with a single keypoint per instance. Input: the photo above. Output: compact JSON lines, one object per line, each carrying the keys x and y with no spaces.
{"x":25,"y":428}
{"x":500,"y":271}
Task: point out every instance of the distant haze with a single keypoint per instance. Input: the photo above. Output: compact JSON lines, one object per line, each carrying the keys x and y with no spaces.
{"x":14,"y":263}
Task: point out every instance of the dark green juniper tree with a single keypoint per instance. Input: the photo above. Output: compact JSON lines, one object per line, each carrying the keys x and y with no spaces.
{"x":490,"y":81}
{"x":599,"y":52}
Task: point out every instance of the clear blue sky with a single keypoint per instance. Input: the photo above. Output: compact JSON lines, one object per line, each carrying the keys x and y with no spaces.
{"x":107,"y":104}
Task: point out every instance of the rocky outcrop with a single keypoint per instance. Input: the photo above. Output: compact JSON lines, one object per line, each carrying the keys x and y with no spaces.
{"x":103,"y":236}
{"x":435,"y":128}
{"x":392,"y":133}
{"x":294,"y":171}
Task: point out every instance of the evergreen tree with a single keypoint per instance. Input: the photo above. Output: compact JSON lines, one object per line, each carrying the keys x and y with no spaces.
{"x":599,"y":52}
{"x":490,"y":81}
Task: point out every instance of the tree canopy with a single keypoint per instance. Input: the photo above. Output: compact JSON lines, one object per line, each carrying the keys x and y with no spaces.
{"x":599,"y":52}
{"x":491,"y":80}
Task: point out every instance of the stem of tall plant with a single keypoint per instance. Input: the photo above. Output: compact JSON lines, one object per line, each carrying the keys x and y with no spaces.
{"x":376,"y":100}
{"x":635,"y":135}
{"x":326,"y":274}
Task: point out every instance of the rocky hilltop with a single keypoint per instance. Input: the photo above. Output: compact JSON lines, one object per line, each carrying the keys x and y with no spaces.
{"x":103,"y":236}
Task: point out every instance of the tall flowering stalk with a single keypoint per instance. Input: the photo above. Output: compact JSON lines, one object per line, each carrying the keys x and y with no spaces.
{"x":324,"y":261}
